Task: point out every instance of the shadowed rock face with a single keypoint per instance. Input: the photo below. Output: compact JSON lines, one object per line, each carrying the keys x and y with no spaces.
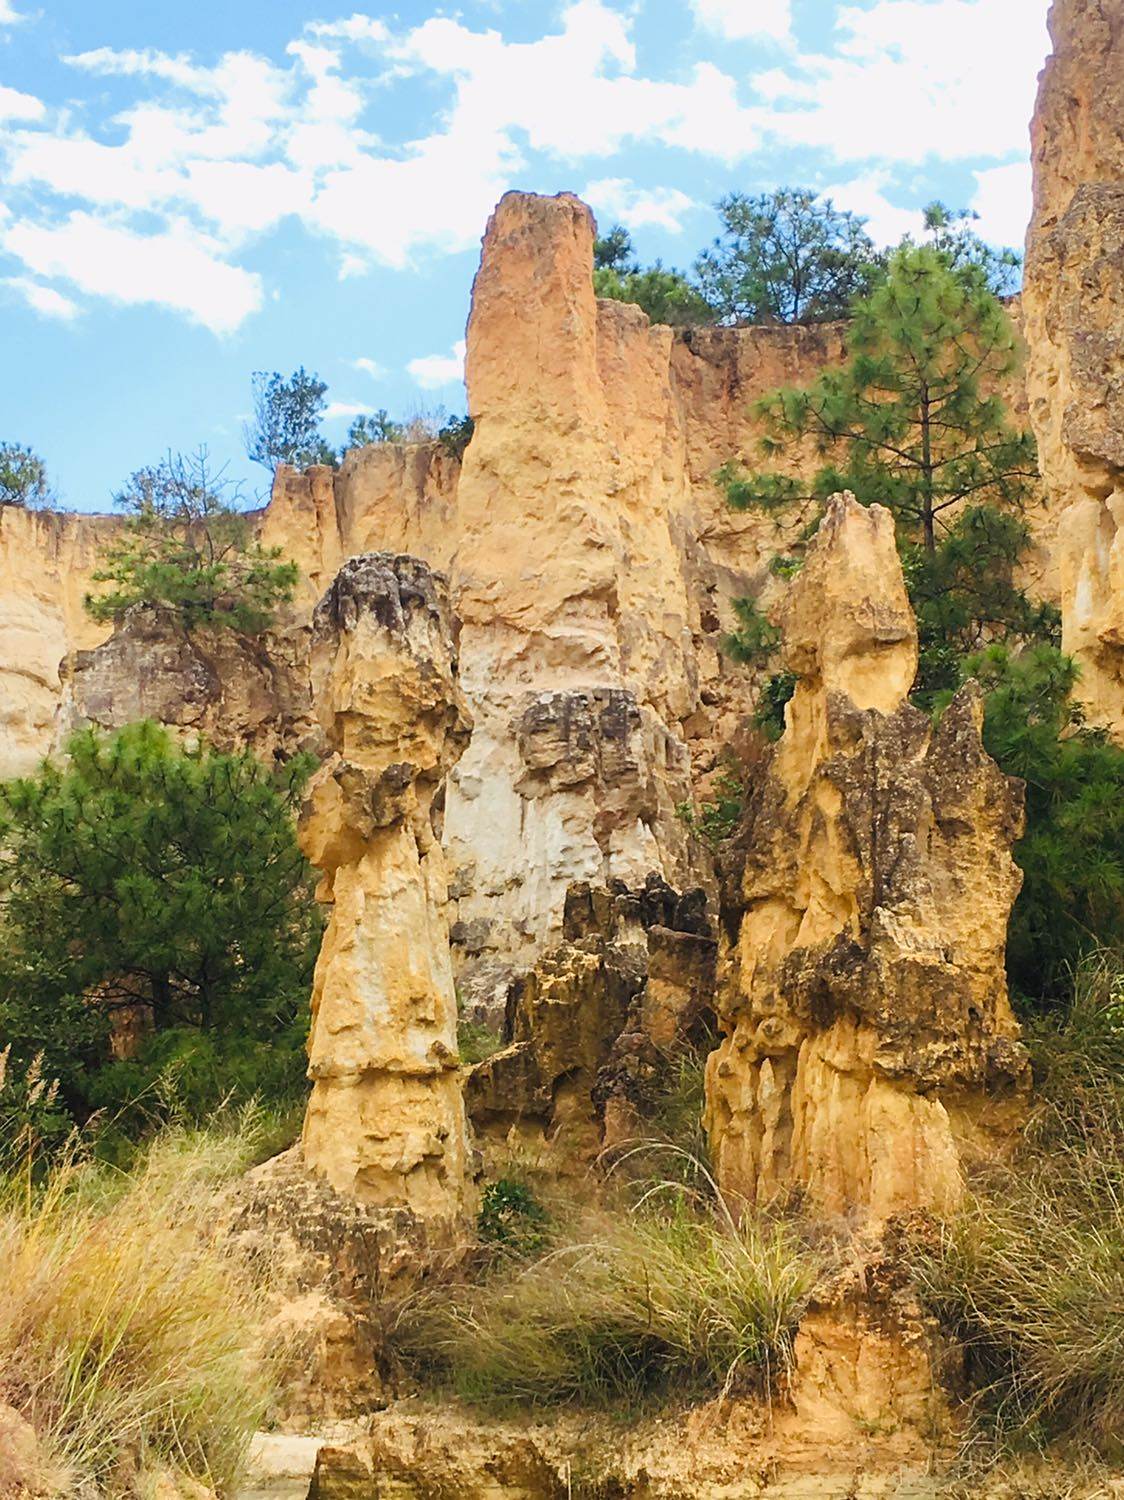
{"x":865,"y":1011}
{"x":1073,"y":303}
{"x":239,"y":692}
{"x":385,"y":1122}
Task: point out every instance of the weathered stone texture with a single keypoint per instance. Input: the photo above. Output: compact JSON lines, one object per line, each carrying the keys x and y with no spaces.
{"x":385,"y":1121}
{"x":592,"y":1027}
{"x":867,"y":1025}
{"x":1073,"y":303}
{"x":239,"y":692}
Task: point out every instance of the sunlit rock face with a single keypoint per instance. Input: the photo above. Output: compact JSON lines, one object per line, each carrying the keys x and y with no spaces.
{"x":385,"y":1121}
{"x":868,"y":1034}
{"x":1073,"y":303}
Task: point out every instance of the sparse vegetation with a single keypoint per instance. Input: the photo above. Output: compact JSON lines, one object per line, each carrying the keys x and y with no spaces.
{"x":23,"y":478}
{"x":286,"y":424}
{"x":1030,"y":1278}
{"x":187,"y":549}
{"x":130,"y":1334}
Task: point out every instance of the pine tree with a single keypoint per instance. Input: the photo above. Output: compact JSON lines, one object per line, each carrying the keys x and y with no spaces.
{"x":140,"y":873}
{"x":913,"y":421}
{"x":787,"y":256}
{"x":286,"y":425}
{"x":187,"y":548}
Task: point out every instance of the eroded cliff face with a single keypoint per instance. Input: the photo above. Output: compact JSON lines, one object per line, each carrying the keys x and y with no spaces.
{"x":868,"y":1034}
{"x":385,"y":1121}
{"x":1073,"y":304}
{"x":46,"y":563}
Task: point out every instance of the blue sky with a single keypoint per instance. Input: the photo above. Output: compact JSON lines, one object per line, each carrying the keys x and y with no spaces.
{"x":193,"y":191}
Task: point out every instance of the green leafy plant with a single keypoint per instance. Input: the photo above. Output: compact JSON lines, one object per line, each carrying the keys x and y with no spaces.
{"x":286,"y":422}
{"x":666,"y":295}
{"x":511,"y":1217}
{"x":455,"y":435}
{"x":186,"y":548}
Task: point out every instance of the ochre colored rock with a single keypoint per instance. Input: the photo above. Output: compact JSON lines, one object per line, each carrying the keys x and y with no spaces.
{"x":332,"y":1264}
{"x":46,"y":562}
{"x":1073,"y":321}
{"x":865,"y":1011}
{"x":385,"y":1122}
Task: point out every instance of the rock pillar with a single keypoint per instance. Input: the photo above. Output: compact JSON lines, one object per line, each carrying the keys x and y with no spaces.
{"x":385,"y":1122}
{"x":1073,"y":319}
{"x":867,"y":1029}
{"x":570,"y":578}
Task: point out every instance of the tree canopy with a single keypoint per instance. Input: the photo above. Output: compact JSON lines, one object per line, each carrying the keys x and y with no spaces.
{"x":913,"y":421}
{"x":788,"y":256}
{"x":187,"y":547}
{"x":286,"y":424}
{"x":23,"y":477}
{"x":142,"y":873}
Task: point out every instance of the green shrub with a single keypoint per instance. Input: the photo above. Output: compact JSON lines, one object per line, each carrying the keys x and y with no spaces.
{"x":475,"y":1042}
{"x":187,"y":548}
{"x":663,"y":1303}
{"x":1029,"y":1278}
{"x":512,"y":1217}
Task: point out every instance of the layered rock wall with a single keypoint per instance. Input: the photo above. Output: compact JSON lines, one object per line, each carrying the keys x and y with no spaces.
{"x":868,"y":1034}
{"x":385,"y":1121}
{"x":1073,"y":304}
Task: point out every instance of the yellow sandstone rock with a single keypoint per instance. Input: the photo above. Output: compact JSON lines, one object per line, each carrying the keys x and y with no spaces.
{"x":385,"y":1122}
{"x":865,"y":1011}
{"x":1073,"y":320}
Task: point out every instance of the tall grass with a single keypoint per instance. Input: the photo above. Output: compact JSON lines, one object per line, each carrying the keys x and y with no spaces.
{"x":666,"y":1300}
{"x":128,"y":1326}
{"x":1031,"y":1276}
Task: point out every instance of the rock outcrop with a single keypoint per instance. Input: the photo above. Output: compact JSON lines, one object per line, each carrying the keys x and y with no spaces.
{"x":866,"y":1019}
{"x":385,"y":1122}
{"x":239,"y":692}
{"x":1073,"y":306}
{"x":592,"y":1027}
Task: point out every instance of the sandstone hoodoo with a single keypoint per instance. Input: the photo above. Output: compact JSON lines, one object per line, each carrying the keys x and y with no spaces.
{"x":1073,"y":302}
{"x":385,"y":1121}
{"x":868,"y":1035}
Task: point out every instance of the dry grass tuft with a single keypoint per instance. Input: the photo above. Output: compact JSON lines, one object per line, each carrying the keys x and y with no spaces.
{"x":1031,"y":1276}
{"x":666,"y":1298}
{"x":128,"y":1328}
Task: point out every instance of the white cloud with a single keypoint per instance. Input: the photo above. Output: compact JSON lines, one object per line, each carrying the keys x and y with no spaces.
{"x":623,"y":201}
{"x":369,"y":367}
{"x":9,"y":16}
{"x":746,"y":18}
{"x":17,"y":106}
{"x":338,"y":409}
{"x":432,"y":371}
{"x":356,"y":28}
{"x":175,"y":268}
{"x":1003,"y":201}
{"x":911,"y":79}
{"x":886,"y":221}
{"x":44,"y":299}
